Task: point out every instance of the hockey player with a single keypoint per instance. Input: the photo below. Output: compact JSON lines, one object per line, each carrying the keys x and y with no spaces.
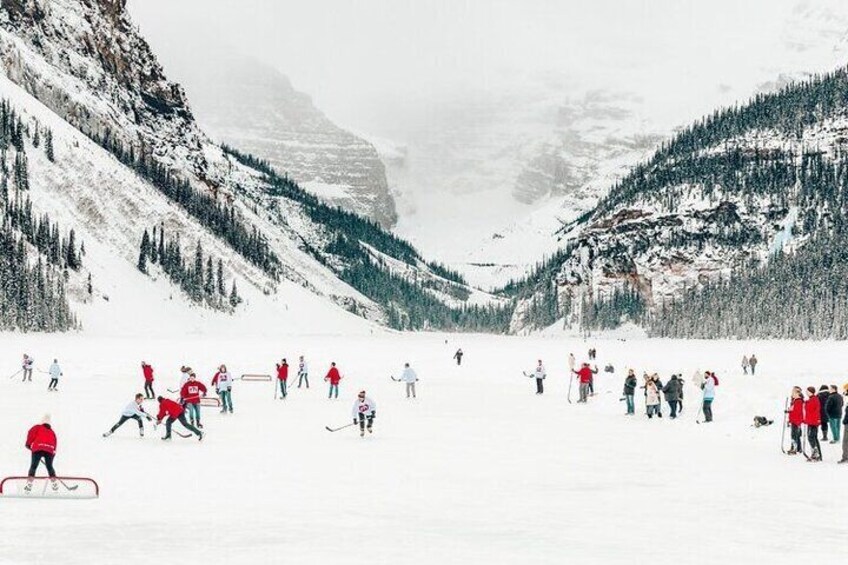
{"x":630,"y":391}
{"x":223,"y":383}
{"x":585,"y":374}
{"x":55,"y":372}
{"x":812,"y":418}
{"x":458,"y":356}
{"x":410,"y":378}
{"x":283,"y":376}
{"x":302,"y":373}
{"x":26,"y":367}
{"x":190,"y":398}
{"x":539,"y":374}
{"x":41,"y":441}
{"x":796,"y":420}
{"x":147,"y":371}
{"x":174,"y":412}
{"x":333,"y":376}
{"x":364,"y":409}
{"x":132,"y":411}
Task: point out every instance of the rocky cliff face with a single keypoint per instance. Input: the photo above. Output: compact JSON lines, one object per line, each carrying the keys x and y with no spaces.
{"x":86,"y":63}
{"x":254,"y":108}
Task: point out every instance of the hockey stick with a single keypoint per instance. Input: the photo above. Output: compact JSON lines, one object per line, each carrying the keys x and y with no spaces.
{"x":700,"y":411}
{"x":71,"y":488}
{"x":172,"y":391}
{"x":804,"y":442}
{"x":570,"y":381}
{"x":783,"y":433}
{"x":13,"y":375}
{"x":329,"y":429}
{"x":394,"y":379}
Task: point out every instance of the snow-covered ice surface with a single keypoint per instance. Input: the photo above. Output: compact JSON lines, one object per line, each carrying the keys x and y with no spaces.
{"x":477,"y":470}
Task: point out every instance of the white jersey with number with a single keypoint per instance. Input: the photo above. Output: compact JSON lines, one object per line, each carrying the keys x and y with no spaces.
{"x":366,"y":407}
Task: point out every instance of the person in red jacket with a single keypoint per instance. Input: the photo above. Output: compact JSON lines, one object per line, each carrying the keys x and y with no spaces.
{"x":334,"y":377}
{"x":283,"y":377}
{"x":812,"y":418}
{"x":147,"y":370}
{"x":586,"y":374}
{"x":41,"y":441}
{"x":190,"y":395}
{"x":796,"y":420}
{"x":174,"y":412}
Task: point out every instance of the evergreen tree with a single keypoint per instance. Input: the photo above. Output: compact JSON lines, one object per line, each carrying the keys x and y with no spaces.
{"x":144,"y":252}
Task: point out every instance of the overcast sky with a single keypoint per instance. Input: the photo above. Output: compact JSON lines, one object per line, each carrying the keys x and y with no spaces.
{"x":356,"y":57}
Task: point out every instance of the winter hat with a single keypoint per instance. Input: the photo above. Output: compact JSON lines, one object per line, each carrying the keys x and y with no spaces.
{"x":45,"y":419}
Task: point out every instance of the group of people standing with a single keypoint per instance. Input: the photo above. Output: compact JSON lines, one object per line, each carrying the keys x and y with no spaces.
{"x":820,"y":411}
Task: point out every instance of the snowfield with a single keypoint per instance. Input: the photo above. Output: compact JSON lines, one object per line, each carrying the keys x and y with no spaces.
{"x":476,"y":470}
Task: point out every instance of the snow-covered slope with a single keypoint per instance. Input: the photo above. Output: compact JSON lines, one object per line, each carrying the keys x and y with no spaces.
{"x":109,"y":206}
{"x":253,"y":107}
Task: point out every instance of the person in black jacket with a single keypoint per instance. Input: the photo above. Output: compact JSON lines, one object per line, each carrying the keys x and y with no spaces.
{"x":630,"y":391}
{"x":671,"y":390}
{"x":823,"y":393}
{"x":833,"y":409}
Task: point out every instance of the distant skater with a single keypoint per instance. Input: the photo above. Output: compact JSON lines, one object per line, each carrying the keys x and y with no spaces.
{"x":458,"y":356}
{"x":147,"y":371}
{"x":410,"y":378}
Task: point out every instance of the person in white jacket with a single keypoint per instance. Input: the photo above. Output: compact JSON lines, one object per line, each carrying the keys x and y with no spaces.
{"x":133,"y":411}
{"x":652,"y":397}
{"x":223,"y":383}
{"x":539,"y":374}
{"x":302,"y":373}
{"x":364,"y":409}
{"x":55,"y":372}
{"x":410,"y":378}
{"x":26,"y":367}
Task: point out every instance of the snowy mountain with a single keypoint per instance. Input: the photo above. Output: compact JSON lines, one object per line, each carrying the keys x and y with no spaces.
{"x":722,"y":197}
{"x":130,"y":157}
{"x":253,"y":107}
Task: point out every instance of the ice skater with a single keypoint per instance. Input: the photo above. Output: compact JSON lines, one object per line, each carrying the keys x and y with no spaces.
{"x":26,"y":367}
{"x":671,"y":391}
{"x":745,"y":364}
{"x":410,"y":378}
{"x":223,"y":383}
{"x":302,"y":373}
{"x":147,"y":371}
{"x":752,"y":362}
{"x":364,"y":411}
{"x":55,"y":372}
{"x":652,"y":398}
{"x":133,"y":411}
{"x":41,"y":441}
{"x":174,"y":412}
{"x":333,"y":377}
{"x":833,"y":411}
{"x":585,"y":375}
{"x":283,"y":377}
{"x":458,"y":356}
{"x":539,"y":374}
{"x":709,"y":387}
{"x":190,"y":398}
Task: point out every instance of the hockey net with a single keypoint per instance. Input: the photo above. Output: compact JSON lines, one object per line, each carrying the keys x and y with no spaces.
{"x":210,"y":401}
{"x":250,"y":377}
{"x":43,"y":487}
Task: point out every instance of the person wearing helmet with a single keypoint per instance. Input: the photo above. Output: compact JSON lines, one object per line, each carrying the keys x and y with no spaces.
{"x":364,"y":410}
